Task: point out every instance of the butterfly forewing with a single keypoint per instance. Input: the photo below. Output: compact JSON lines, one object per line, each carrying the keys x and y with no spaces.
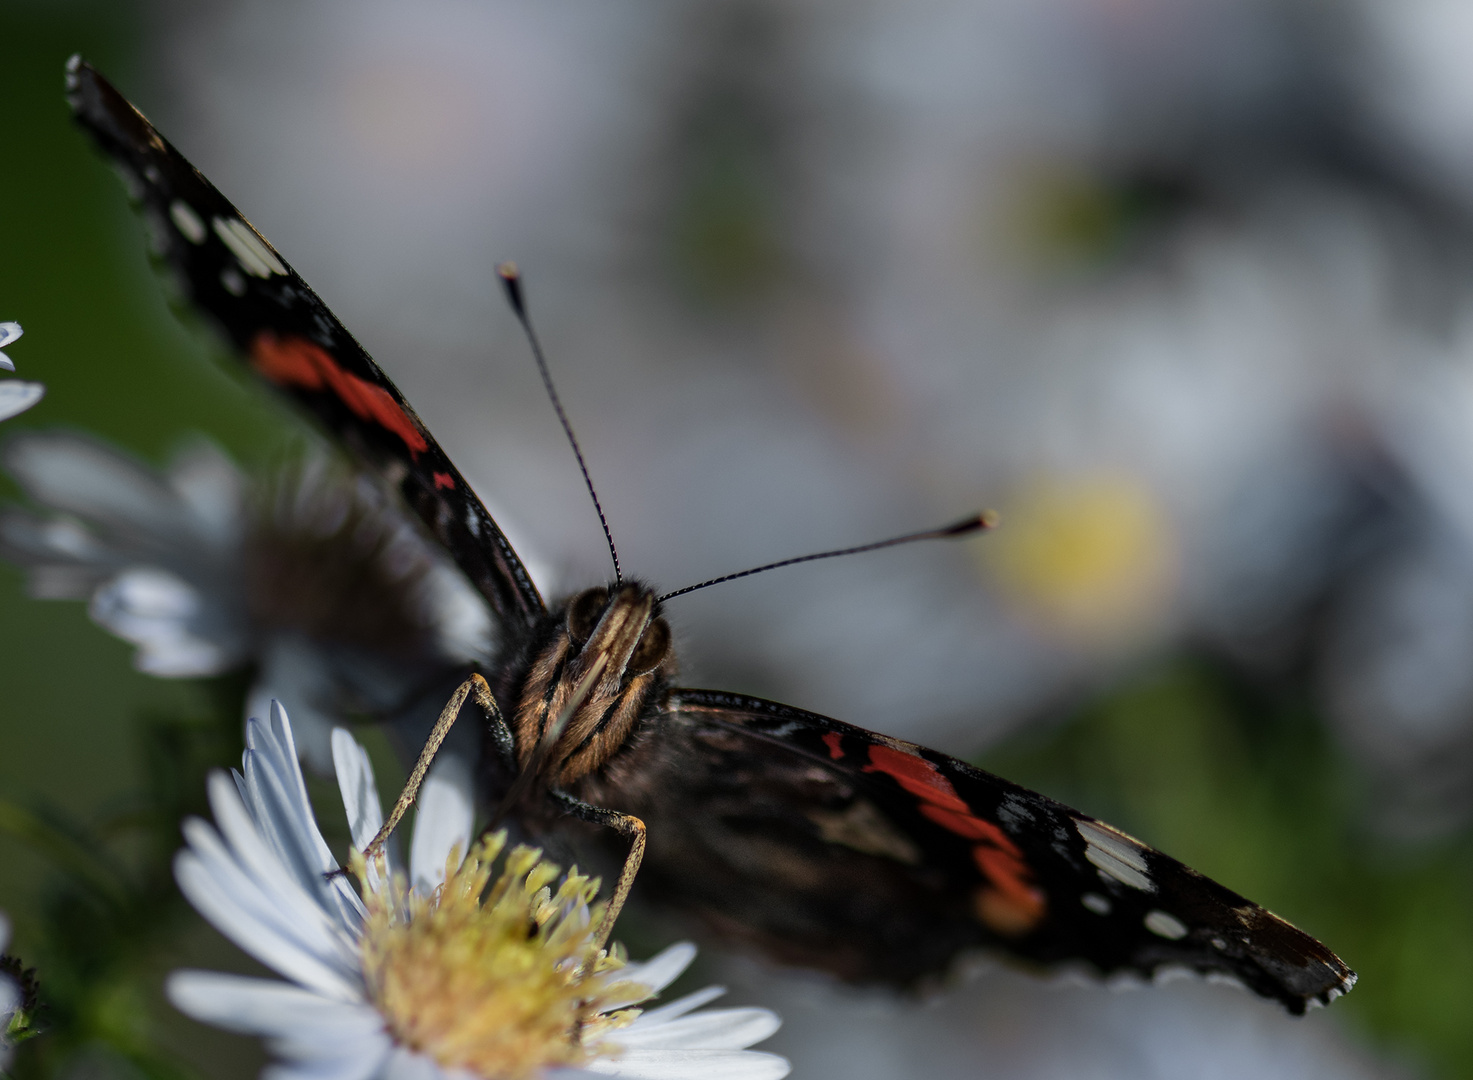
{"x":880,"y":860}
{"x":286,"y":334}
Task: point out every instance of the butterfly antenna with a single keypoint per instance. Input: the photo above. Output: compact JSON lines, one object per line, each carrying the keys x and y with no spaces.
{"x":511,"y":278}
{"x":987,"y":519}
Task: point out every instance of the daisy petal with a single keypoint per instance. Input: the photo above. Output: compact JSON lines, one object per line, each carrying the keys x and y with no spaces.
{"x":250,"y":872}
{"x":6,"y":362}
{"x":360,"y":792}
{"x":346,"y":1040}
{"x":312,"y":893}
{"x":277,"y":811}
{"x":9,"y":332}
{"x":283,"y":813}
{"x":716,"y":1029}
{"x":252,"y":899}
{"x":361,"y":802}
{"x":443,"y":822}
{"x":208,"y":482}
{"x":81,"y":477}
{"x":277,"y":740}
{"x":682,"y":1064}
{"x":154,"y":610}
{"x":245,"y":920}
{"x":679,"y":1007}
{"x":180,"y":656}
{"x":662,"y":969}
{"x":254,"y":1006}
{"x":16,"y":397}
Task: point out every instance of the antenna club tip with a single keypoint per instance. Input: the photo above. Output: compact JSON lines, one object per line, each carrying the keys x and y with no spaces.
{"x":511,"y":278}
{"x":979,"y":522}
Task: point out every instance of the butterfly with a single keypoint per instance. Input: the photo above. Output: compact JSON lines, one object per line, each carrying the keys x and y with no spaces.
{"x":819,"y":842}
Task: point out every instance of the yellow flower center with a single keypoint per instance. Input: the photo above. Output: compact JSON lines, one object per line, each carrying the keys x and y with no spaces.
{"x":502,"y":981}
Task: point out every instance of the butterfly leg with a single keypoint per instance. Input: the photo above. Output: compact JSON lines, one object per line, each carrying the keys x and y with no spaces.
{"x":476,"y":686}
{"x":629,"y":826}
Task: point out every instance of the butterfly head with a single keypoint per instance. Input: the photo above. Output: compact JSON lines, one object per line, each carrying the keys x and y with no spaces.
{"x":589,"y":686}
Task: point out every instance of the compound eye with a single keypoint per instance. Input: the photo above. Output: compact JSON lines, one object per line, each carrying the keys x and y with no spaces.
{"x":652,"y":649}
{"x":584,"y":612}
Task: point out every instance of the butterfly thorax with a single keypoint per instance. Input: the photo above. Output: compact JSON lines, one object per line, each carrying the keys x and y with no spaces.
{"x":602,"y":659}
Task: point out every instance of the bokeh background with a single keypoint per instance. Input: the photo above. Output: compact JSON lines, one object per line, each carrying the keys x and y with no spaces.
{"x":1183,"y":288}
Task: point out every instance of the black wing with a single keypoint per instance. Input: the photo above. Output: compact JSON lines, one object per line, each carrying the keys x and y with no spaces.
{"x":287,"y":335}
{"x":837,"y":848}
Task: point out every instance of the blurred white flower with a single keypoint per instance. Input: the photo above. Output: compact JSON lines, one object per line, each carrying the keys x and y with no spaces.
{"x":17,"y":999}
{"x":316,"y":581}
{"x":15,"y":396}
{"x":430,"y":975}
{"x":10,"y":997}
{"x":9,"y":332}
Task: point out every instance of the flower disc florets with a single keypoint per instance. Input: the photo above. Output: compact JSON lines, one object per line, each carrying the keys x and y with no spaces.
{"x":499,"y":977}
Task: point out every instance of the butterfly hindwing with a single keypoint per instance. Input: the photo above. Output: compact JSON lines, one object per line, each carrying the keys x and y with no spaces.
{"x":287,"y":335}
{"x":880,"y":860}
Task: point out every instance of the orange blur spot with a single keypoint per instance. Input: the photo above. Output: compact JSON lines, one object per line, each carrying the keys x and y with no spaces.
{"x":443,"y":480}
{"x":295,"y":361}
{"x":1005,"y":915}
{"x":1013,"y":904}
{"x":831,"y":739}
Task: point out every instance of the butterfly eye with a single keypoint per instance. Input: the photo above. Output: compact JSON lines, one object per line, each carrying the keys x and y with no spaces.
{"x":584,"y":612}
{"x":651,"y":650}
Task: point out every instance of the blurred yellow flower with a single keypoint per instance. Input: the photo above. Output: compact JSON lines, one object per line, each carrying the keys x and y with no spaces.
{"x":1089,"y":557}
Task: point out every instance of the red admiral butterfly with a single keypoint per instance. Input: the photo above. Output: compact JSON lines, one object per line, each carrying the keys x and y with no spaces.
{"x":825,"y":844}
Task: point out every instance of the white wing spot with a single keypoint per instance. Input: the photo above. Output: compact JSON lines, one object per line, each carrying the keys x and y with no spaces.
{"x":1100,"y":905}
{"x":234,"y":284}
{"x":249,"y":248}
{"x":1113,"y":853}
{"x":187,"y":221}
{"x":1110,"y":868}
{"x":1164,"y":924}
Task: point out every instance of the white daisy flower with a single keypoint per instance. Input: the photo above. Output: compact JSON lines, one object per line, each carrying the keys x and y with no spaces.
{"x":334,"y":598}
{"x":428,"y":975}
{"x":15,"y":396}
